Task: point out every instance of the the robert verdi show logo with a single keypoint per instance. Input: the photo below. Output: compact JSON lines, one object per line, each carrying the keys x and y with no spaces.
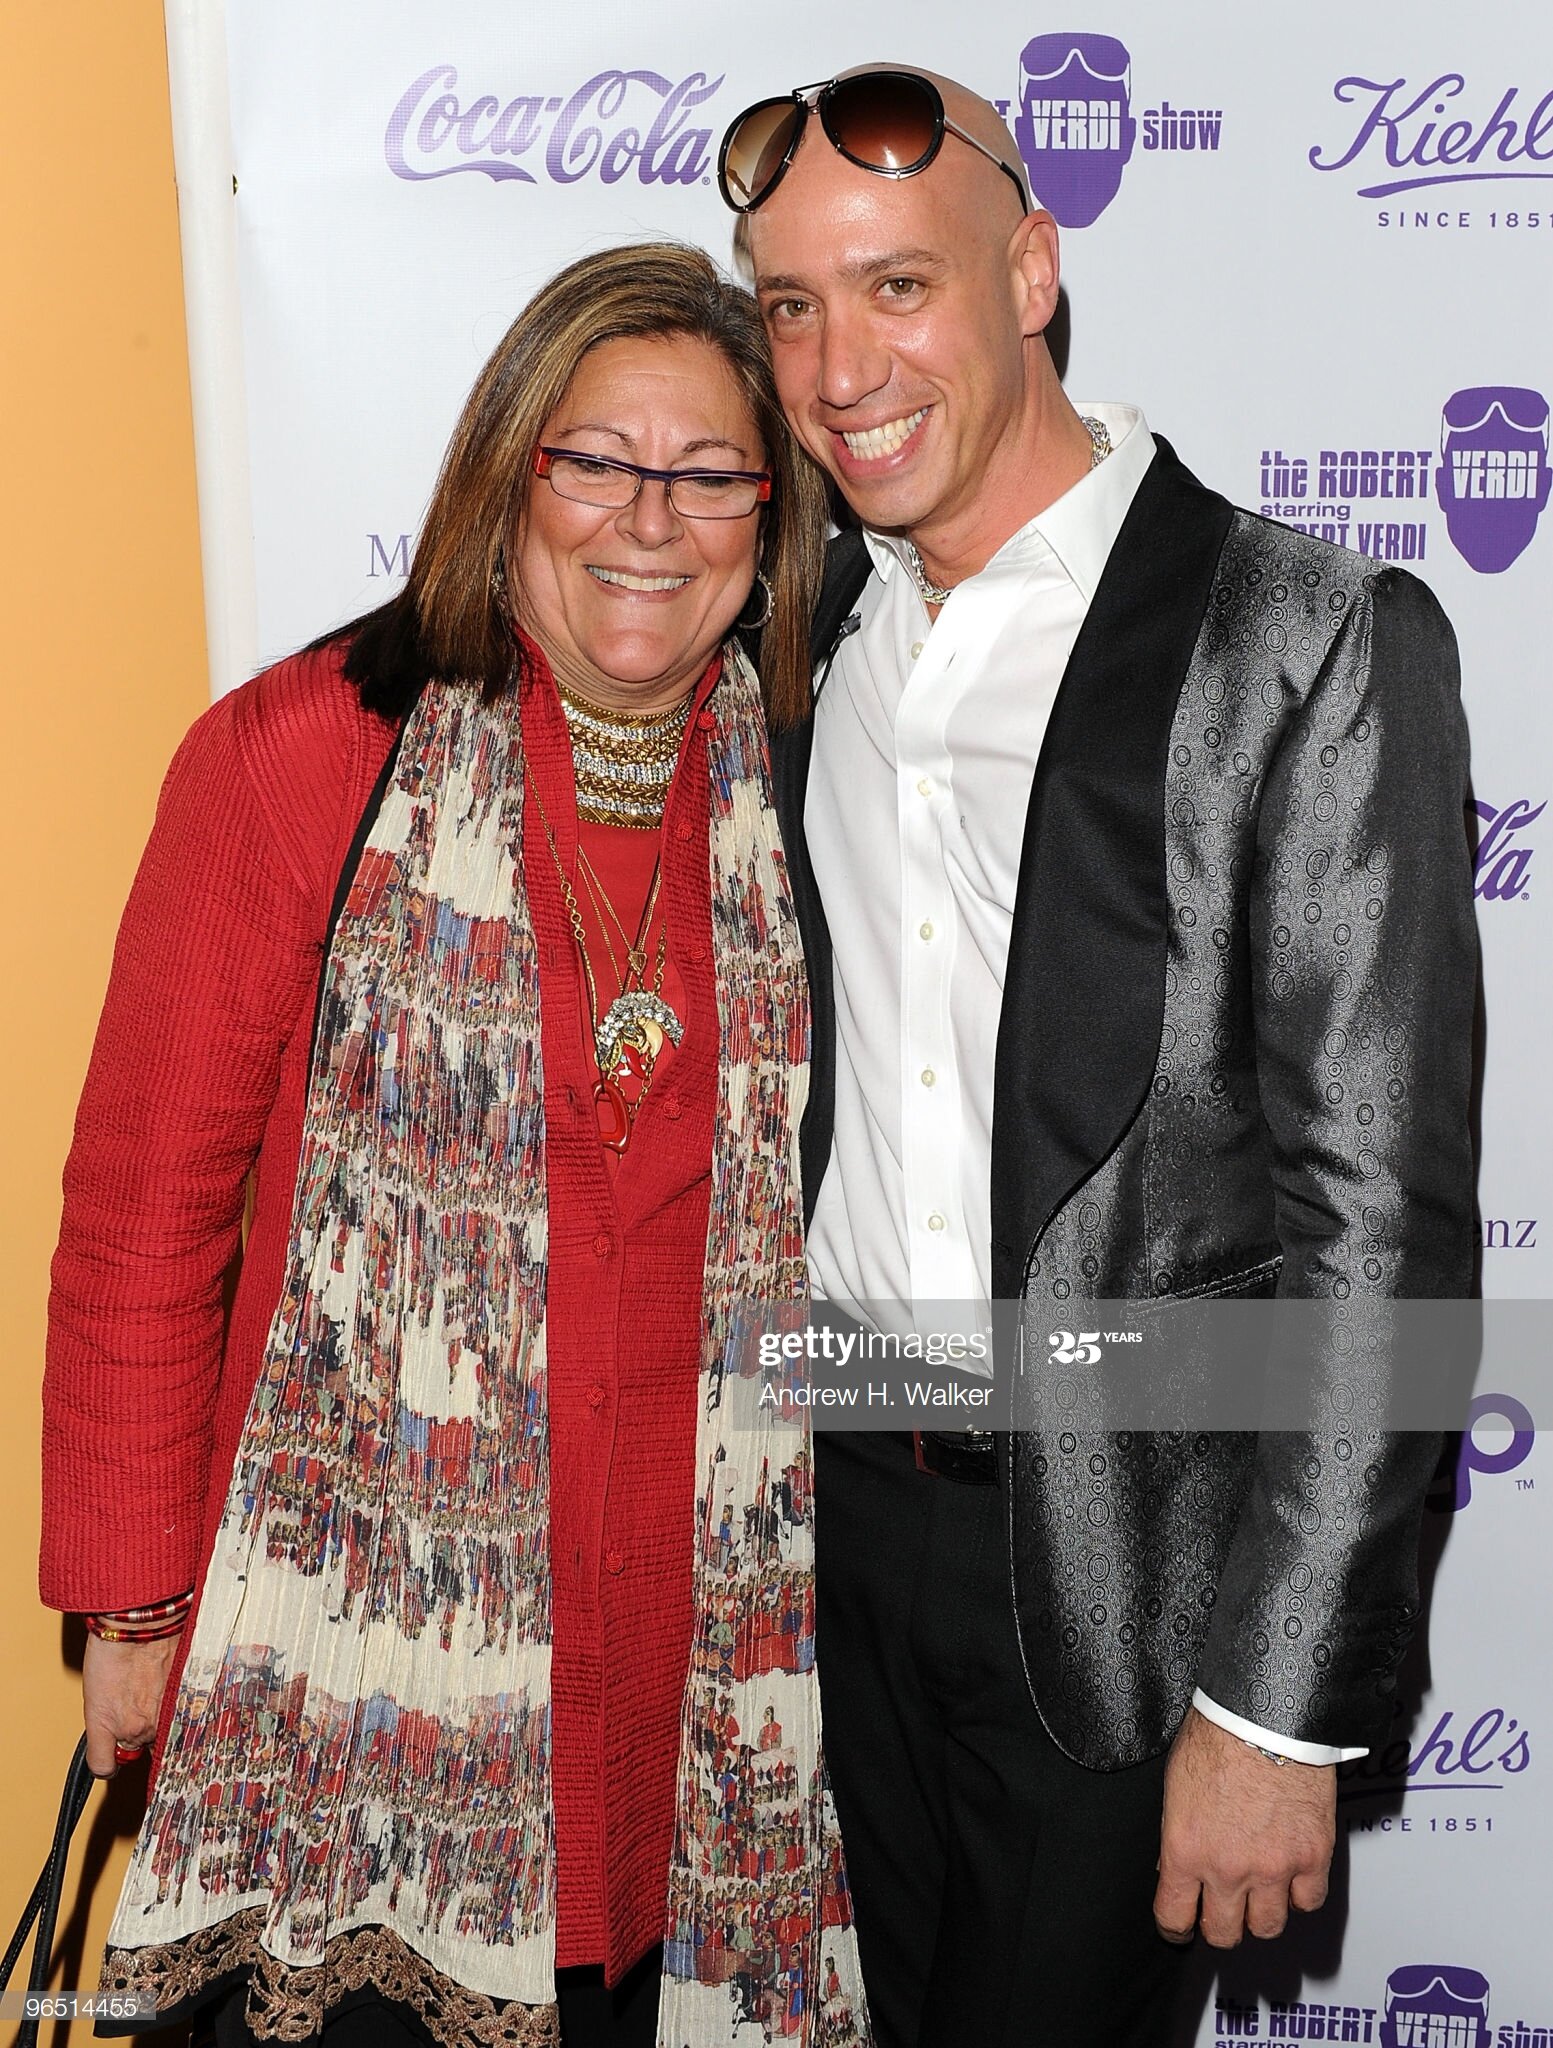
{"x":1424,"y":2005}
{"x":614,"y":125}
{"x":1076,"y":127}
{"x":1420,"y":143}
{"x":1490,"y":476}
{"x":1493,"y":478}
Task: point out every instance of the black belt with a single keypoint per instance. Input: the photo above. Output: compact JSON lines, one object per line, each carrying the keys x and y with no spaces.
{"x":967,"y":1455}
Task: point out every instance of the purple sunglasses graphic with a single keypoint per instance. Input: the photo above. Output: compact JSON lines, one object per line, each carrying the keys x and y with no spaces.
{"x":1435,"y":2005}
{"x":1074,"y":126}
{"x":1492,"y":482}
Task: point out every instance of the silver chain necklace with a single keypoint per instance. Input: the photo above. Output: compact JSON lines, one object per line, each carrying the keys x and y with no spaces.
{"x":938,"y":593}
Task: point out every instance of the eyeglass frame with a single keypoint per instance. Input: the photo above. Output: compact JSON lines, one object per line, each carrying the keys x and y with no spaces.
{"x":544,"y":458}
{"x":800,"y":95}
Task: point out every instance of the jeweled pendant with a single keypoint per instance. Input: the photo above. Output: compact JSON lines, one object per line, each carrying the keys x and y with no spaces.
{"x":640,"y":1014}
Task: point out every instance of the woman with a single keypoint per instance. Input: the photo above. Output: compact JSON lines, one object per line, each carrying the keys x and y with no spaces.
{"x":452,"y":1493}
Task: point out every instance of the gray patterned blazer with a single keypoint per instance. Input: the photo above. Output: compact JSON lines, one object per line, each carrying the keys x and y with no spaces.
{"x":1234,"y":1057}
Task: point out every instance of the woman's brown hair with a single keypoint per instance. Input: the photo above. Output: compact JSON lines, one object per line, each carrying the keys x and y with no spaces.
{"x":448,"y":623}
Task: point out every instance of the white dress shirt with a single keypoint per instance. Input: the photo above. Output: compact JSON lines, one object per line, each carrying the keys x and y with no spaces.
{"x":926,"y":736}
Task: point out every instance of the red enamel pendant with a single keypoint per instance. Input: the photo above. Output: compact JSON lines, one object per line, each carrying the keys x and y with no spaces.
{"x":613,"y":1113}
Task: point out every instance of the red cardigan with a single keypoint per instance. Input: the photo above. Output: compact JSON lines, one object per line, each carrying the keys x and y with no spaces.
{"x":197,"y":1081}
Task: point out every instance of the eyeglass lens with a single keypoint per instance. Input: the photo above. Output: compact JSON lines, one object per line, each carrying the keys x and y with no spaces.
{"x":695,"y":495}
{"x":756,"y":150}
{"x":886,"y":123}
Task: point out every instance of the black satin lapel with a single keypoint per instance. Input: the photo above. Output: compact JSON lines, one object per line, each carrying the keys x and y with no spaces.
{"x":1084,"y":997}
{"x":847,"y":570}
{"x":790,"y":754}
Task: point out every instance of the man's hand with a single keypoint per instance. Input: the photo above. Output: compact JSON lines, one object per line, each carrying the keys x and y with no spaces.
{"x":123,"y":1685}
{"x":1242,"y":1839}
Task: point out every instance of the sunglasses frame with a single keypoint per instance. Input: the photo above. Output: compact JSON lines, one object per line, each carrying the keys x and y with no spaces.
{"x":815,"y":99}
{"x":544,"y":459}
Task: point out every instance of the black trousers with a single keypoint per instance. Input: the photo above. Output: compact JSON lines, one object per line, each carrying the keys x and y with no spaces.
{"x":1003,"y":1893}
{"x":591,"y":2015}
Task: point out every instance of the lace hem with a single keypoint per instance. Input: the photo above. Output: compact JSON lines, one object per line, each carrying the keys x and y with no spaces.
{"x":287,"y":2001}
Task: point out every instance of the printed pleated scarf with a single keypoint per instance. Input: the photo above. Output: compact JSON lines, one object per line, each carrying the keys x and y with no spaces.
{"x":355,"y":1789}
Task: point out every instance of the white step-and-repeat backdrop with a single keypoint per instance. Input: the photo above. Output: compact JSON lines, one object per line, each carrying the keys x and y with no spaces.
{"x":1315,"y":244}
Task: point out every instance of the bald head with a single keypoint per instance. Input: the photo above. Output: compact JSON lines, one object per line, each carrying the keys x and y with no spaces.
{"x":906,"y":317}
{"x":989,"y":152}
{"x":975,"y":118}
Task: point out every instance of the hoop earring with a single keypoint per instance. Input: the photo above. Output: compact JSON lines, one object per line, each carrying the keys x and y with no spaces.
{"x":745,"y":625}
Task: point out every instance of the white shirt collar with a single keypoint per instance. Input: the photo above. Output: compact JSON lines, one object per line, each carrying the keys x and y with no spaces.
{"x":1080,"y":528}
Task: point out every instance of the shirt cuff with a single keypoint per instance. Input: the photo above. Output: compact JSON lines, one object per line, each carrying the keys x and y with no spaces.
{"x":1269,"y":1738}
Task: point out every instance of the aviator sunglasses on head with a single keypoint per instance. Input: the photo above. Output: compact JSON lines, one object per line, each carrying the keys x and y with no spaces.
{"x":890,"y":122}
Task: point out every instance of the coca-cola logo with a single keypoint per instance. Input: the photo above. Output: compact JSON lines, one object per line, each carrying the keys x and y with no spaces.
{"x":1503,"y":860}
{"x":1440,"y":134}
{"x":615,"y":124}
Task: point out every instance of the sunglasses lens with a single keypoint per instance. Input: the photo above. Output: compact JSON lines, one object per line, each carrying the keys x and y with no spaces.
{"x":753,"y":153}
{"x":883,"y":120}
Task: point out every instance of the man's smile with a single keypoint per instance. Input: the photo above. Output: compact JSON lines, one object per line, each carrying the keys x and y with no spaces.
{"x":881,"y":443}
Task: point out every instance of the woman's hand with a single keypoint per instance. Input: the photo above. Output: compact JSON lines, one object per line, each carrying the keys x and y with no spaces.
{"x":122,"y":1684}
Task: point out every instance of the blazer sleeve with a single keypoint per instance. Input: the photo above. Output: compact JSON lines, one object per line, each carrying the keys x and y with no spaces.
{"x":213,"y":965}
{"x":1364,"y":962}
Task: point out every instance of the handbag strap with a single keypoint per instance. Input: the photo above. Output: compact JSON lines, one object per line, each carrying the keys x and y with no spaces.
{"x":43,"y":1906}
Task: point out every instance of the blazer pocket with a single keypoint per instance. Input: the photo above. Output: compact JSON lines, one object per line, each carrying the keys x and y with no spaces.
{"x":1248,"y":1280}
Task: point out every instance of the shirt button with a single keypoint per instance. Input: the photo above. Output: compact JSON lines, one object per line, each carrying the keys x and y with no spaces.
{"x":924,"y":787}
{"x":925,"y":929}
{"x":916,"y":650}
{"x":696,"y":956}
{"x":614,"y":1562}
{"x":682,"y":829}
{"x":672,"y":1107}
{"x":928,"y":1077}
{"x":603,"y":1244}
{"x":595,"y":1398}
{"x":935,"y":1221}
{"x":705,"y":720}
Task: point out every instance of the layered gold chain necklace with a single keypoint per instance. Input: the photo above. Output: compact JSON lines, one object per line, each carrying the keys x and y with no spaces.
{"x":624,"y":760}
{"x":624,"y":763}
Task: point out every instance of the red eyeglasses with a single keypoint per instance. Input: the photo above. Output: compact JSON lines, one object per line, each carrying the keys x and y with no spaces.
{"x":612,"y":484}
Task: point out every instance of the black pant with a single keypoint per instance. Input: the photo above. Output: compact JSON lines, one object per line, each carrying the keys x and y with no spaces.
{"x":1003,"y":1893}
{"x":591,"y":2016}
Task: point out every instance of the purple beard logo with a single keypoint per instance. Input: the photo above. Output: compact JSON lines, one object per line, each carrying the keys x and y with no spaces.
{"x":1492,"y":482}
{"x":1452,"y":1487}
{"x":593,"y":129}
{"x":1435,"y":2005}
{"x":1074,"y":128}
{"x":1502,"y":868}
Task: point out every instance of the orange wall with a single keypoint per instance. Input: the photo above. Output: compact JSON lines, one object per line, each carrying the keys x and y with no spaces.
{"x":103,"y":668}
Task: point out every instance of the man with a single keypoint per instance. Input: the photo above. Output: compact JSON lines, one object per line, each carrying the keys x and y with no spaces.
{"x":1127,"y":835}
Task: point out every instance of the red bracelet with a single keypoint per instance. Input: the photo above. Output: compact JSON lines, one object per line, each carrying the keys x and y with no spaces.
{"x":152,"y":1623}
{"x":104,"y":1634}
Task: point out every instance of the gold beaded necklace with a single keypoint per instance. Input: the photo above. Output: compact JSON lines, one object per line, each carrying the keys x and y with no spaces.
{"x":634,"y":1026}
{"x":624,"y":761}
